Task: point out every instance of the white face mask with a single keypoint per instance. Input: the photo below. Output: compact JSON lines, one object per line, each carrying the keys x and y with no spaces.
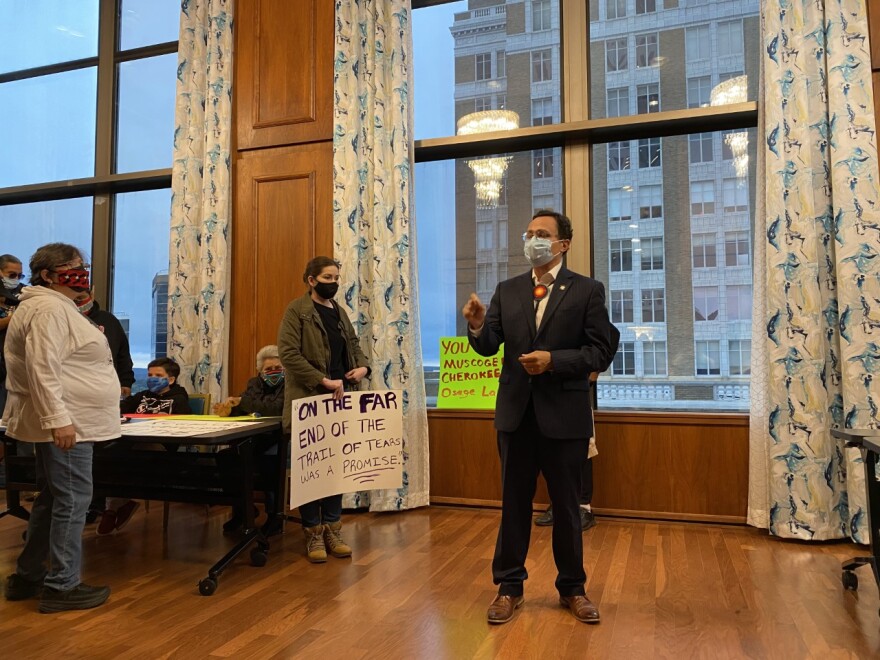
{"x":9,"y":283}
{"x":538,"y":252}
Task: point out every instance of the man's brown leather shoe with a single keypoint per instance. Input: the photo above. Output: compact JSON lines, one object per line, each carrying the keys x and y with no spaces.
{"x":581,"y":608}
{"x":503,"y":607}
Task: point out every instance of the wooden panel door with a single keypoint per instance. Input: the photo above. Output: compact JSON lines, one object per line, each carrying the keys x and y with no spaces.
{"x":283,"y":72}
{"x":282,"y":219}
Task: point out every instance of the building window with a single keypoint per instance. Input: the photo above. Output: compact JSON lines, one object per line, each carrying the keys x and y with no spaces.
{"x":739,"y":302}
{"x":500,"y":64}
{"x":542,"y":203}
{"x":542,"y":111}
{"x":483,"y":66}
{"x":736,"y":248}
{"x":703,"y":250}
{"x":734,"y":195}
{"x":708,"y":358}
{"x":542,"y":69}
{"x":702,"y":197}
{"x":615,"y":9}
{"x":618,"y":156}
{"x":616,"y":57}
{"x":700,"y":148}
{"x":739,"y":353}
{"x":625,"y":359}
{"x":501,"y":101}
{"x":654,"y":353}
{"x":485,"y":236}
{"x":730,"y":38}
{"x":653,"y":309}
{"x":648,"y":98}
{"x":621,"y":255}
{"x":699,"y":91}
{"x":484,"y":277}
{"x":650,"y":202}
{"x":541,"y":15}
{"x":646,"y":50}
{"x":542,"y":163}
{"x":617,"y":102}
{"x":697,"y":43}
{"x":652,"y":253}
{"x":619,"y":205}
{"x":482,"y":103}
{"x":621,"y":306}
{"x":705,"y":303}
{"x":646,"y":6}
{"x":649,"y":153}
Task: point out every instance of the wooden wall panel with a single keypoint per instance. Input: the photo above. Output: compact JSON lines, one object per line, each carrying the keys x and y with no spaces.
{"x":282,"y":219}
{"x":685,"y":467}
{"x":283,"y":72}
{"x":874,"y":33}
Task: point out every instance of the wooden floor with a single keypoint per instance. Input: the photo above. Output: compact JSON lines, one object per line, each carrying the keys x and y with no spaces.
{"x":419,"y":584}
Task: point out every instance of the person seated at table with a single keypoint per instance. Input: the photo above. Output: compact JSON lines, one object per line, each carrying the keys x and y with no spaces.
{"x":163,"y":396}
{"x":264,"y":396}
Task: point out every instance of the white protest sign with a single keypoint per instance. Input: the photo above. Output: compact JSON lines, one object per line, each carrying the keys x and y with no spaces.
{"x":346,"y":445}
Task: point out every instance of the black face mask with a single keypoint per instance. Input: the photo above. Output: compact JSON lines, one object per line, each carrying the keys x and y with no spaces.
{"x":326,"y":289}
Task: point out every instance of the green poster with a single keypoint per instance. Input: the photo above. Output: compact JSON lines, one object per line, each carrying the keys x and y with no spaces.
{"x":467,"y":380}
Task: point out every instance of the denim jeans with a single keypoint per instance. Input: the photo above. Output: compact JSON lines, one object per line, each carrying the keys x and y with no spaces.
{"x":64,"y":480}
{"x":326,"y":510}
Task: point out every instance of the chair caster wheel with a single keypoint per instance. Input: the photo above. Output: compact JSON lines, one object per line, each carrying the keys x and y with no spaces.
{"x":207,"y":586}
{"x":258,"y":557}
{"x":850,"y":581}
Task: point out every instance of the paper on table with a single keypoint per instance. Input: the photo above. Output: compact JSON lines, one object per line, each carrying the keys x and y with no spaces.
{"x":170,"y":427}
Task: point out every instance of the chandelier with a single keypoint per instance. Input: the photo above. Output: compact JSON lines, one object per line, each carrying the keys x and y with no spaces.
{"x":488,"y":172}
{"x":734,"y":90}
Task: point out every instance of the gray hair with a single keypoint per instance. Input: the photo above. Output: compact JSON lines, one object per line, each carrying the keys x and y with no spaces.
{"x":51,"y":256}
{"x":266,"y":353}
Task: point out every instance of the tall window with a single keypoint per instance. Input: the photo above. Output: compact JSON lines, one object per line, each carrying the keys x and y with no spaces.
{"x":708,"y":358}
{"x":705,"y":303}
{"x":650,"y":202}
{"x":621,"y":252}
{"x":653,"y":310}
{"x":618,"y":156}
{"x":700,"y":148}
{"x":654,"y":358}
{"x":542,"y":65}
{"x":541,"y":15}
{"x":616,"y":57}
{"x":615,"y":9}
{"x":500,"y":64}
{"x":619,"y":205}
{"x":485,"y":236}
{"x":699,"y":91}
{"x":618,"y":102}
{"x":703,"y":247}
{"x":702,"y":197}
{"x":697,"y":43}
{"x":652,"y":253}
{"x":649,"y":152}
{"x":646,"y":6}
{"x":482,"y":103}
{"x":483,"y":66}
{"x":542,"y":111}
{"x":648,"y":98}
{"x":621,"y":306}
{"x":625,"y":359}
{"x":736,"y":248}
{"x":646,"y":50}
{"x":730,"y":38}
{"x":739,"y":302}
{"x":739,"y":357}
{"x":542,"y":163}
{"x":735,"y":196}
{"x":91,"y":94}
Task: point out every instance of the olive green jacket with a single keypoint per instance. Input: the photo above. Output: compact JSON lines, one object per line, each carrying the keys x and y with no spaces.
{"x":304,"y":350}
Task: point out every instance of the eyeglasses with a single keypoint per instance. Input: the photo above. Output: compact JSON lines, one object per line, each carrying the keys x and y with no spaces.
{"x":15,"y":276}
{"x":537,"y":234}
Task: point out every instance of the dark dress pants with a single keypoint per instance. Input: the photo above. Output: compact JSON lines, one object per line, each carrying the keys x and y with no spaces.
{"x":524,"y":453}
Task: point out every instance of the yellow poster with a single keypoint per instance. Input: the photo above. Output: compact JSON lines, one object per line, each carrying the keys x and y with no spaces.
{"x":467,"y":380}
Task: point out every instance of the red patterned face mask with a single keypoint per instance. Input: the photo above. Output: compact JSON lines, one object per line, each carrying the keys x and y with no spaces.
{"x":76,"y":279}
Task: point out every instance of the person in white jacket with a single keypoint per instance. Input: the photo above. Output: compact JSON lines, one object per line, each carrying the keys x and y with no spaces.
{"x":63,"y":397}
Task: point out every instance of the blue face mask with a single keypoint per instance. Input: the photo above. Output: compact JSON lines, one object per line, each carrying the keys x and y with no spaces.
{"x":272,"y":378}
{"x":537,"y":250}
{"x":156,"y":384}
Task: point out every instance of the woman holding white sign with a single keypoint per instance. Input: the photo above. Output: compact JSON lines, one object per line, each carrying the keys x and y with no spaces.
{"x":321,"y":354}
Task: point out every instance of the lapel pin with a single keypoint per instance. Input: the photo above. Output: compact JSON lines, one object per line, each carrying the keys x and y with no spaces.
{"x":562,"y":288}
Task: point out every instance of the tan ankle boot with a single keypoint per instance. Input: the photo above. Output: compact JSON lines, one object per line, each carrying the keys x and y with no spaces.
{"x":334,"y":542}
{"x":316,"y":552}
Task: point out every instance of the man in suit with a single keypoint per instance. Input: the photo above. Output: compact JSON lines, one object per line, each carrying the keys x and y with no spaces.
{"x":555,"y":330}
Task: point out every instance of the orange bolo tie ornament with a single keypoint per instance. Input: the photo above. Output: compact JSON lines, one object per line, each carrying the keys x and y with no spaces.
{"x":539,"y":292}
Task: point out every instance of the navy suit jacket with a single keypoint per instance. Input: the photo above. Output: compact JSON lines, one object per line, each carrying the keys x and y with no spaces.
{"x":575,"y":329}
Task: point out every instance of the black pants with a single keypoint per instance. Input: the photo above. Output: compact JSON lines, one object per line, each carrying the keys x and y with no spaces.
{"x":524,"y":453}
{"x":586,"y":496}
